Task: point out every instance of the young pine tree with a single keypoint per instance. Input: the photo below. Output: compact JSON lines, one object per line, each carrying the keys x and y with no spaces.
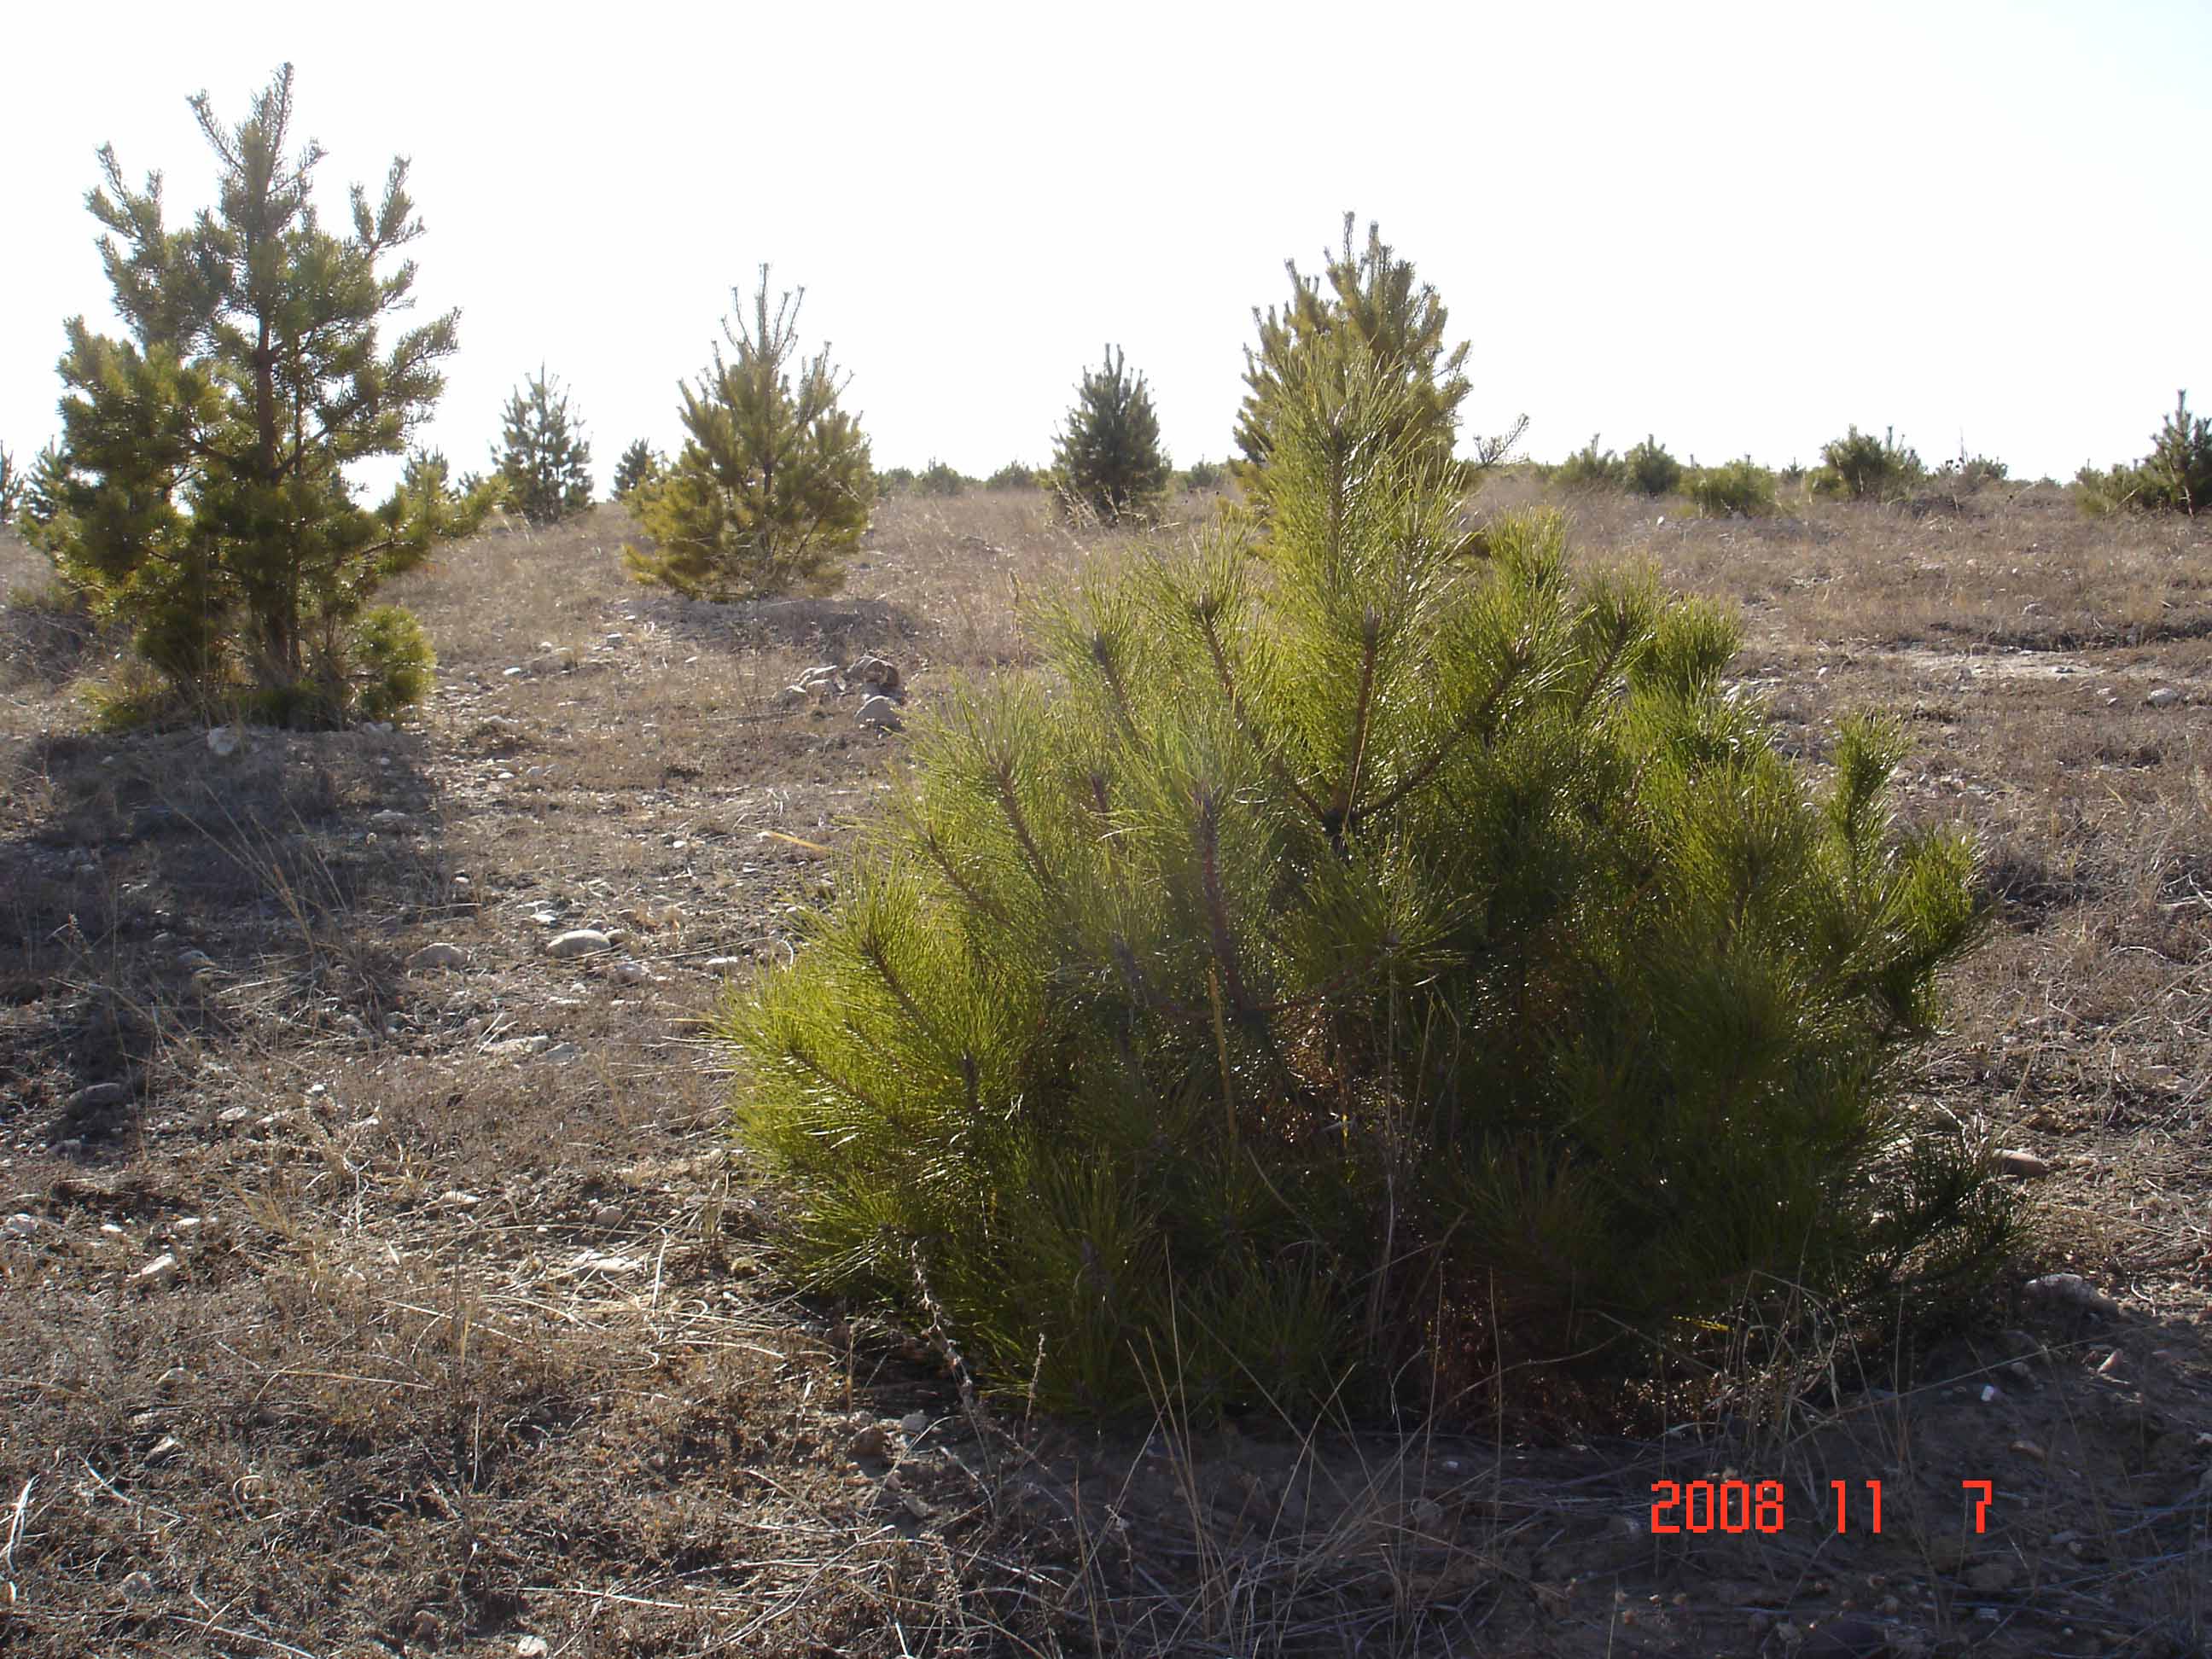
{"x":1362,"y":965}
{"x":202,"y":495}
{"x":541,"y":456}
{"x":1651,"y":469}
{"x":774,"y":484}
{"x":1107,"y":460}
{"x":639,"y":464}
{"x":12,"y":485}
{"x":1374,"y":297}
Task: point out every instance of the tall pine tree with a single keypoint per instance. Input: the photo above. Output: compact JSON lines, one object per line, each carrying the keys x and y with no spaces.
{"x":202,"y":495}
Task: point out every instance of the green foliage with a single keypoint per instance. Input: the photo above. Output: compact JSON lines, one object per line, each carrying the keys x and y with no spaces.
{"x":2175,"y":477}
{"x":1015,"y":476}
{"x":1970,"y":473}
{"x":639,"y":464}
{"x":392,"y":663}
{"x":1372,"y":298}
{"x":427,"y":494}
{"x":774,"y":484}
{"x":1349,"y":968}
{"x":939,"y":479}
{"x":541,"y":454}
{"x":1589,"y":468}
{"x":896,"y":481}
{"x":198,"y":493}
{"x":1107,"y":461}
{"x":1205,"y":474}
{"x":1651,"y":470}
{"x":1863,"y":467}
{"x":1737,"y":487}
{"x":12,"y":485}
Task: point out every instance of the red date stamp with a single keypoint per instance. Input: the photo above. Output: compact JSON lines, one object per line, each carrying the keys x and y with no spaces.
{"x":1739,"y":1506}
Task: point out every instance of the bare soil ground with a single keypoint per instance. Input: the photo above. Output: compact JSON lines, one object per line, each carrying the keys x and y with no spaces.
{"x":360,"y":1300}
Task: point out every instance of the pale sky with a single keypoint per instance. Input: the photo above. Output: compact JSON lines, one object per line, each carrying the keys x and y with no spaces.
{"x":1739,"y":226}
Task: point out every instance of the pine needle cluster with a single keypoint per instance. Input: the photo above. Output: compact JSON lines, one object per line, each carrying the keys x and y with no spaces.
{"x":2176,"y":476}
{"x":1359,"y":961}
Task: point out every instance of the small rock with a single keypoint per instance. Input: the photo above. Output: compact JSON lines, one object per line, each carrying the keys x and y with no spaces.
{"x":512,"y":673}
{"x":2025,"y":1165}
{"x":2069,"y":1290}
{"x":870,"y":1442}
{"x":457,"y":1199}
{"x":97,"y":1097}
{"x":1987,"y":1577}
{"x":160,"y":1270}
{"x":2029,"y":1449}
{"x":231,"y":1114}
{"x":533,"y":1647}
{"x":22,"y":1224}
{"x":524,"y":1045}
{"x":139,"y":1587}
{"x":576,"y":942}
{"x":165,"y":1450}
{"x":881,"y":712}
{"x":1991,"y":1393}
{"x":388,"y":815}
{"x":607,"y":1215}
{"x":2164,"y":697}
{"x":195,"y":962}
{"x":877,"y":671}
{"x":612,"y":639}
{"x":791,"y":696}
{"x":915,"y":1425}
{"x":722,"y":964}
{"x":560,"y":1053}
{"x":222,"y":739}
{"x":630,"y":971}
{"x":441,"y":955}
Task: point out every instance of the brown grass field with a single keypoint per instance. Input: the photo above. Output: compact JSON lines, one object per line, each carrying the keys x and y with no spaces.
{"x":353,"y":1305}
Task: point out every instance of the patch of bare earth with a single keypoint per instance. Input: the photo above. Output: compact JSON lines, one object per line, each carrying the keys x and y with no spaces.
{"x":361,"y":1297}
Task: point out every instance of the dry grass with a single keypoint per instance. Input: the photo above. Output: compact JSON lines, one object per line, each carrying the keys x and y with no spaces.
{"x":472,"y":1329}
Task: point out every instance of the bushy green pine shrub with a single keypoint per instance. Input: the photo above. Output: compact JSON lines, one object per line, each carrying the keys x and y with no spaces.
{"x":639,"y":464}
{"x":198,"y":493}
{"x":1107,"y":460}
{"x":941,"y":480}
{"x":426,"y":491}
{"x":1364,"y":963}
{"x":2175,"y":477}
{"x":1970,"y":473}
{"x":1205,"y":474}
{"x":1014,"y":476}
{"x":1860,"y":466}
{"x":774,"y":484}
{"x":392,"y":663}
{"x":542,"y":454}
{"x":1742,"y":487}
{"x":1651,"y":469}
{"x":1591,"y":468}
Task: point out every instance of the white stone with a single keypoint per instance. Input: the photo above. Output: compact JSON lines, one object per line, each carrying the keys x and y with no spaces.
{"x":533,"y":1647}
{"x":440,"y":954}
{"x":630,"y":971}
{"x":576,"y":942}
{"x":880,"y":712}
{"x":22,"y":1224}
{"x":222,"y":739}
{"x":2068,"y":1290}
{"x":791,"y":696}
{"x":2164,"y":697}
{"x":160,"y":1270}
